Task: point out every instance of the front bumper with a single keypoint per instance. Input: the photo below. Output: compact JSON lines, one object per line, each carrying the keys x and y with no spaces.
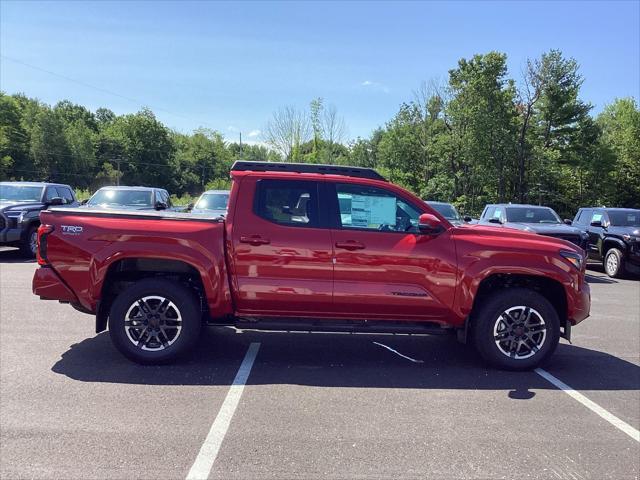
{"x":579,"y":305}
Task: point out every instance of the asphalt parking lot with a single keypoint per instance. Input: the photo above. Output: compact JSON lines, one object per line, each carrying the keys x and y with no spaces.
{"x":314,"y":405}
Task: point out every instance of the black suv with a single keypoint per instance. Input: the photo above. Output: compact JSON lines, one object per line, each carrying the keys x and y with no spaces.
{"x":614,"y":238}
{"x":535,"y":219}
{"x":20,"y":205}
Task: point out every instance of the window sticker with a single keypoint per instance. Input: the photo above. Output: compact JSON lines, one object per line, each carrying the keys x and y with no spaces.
{"x":370,"y":211}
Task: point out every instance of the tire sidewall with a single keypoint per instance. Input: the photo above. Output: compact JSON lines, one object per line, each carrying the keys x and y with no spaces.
{"x":618,"y":255}
{"x":25,"y":244}
{"x":184,"y":300}
{"x":488,"y":314}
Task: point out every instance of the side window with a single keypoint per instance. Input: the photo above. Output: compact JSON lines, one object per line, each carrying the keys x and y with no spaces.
{"x":499,"y":214}
{"x":373,"y":208}
{"x":167,"y":198}
{"x":597,"y":217}
{"x":287,"y":202}
{"x":488,"y":213}
{"x":50,"y":193}
{"x":66,"y":194}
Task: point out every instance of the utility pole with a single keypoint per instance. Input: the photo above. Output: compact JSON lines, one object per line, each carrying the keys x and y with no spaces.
{"x":118,"y":160}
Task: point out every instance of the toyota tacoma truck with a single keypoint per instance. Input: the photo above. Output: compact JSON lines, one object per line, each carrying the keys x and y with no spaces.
{"x":312,"y":248}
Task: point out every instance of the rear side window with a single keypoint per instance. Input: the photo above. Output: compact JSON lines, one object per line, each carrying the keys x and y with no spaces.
{"x":287,"y":202}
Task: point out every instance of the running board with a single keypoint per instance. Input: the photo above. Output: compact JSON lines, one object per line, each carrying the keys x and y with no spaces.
{"x":339,"y":326}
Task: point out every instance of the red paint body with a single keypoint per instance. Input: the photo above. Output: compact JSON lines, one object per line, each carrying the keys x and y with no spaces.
{"x":251,"y":267}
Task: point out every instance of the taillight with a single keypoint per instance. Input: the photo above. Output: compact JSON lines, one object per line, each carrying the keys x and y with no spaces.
{"x":43,"y":231}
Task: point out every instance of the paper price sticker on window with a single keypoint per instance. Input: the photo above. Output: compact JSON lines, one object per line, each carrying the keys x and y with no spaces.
{"x":369,"y":211}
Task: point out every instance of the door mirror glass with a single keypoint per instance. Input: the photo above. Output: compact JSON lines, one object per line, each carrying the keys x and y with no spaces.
{"x":495,"y":220}
{"x":597,"y":223}
{"x":467,"y":218}
{"x":568,"y":222}
{"x":56,"y":201}
{"x":429,"y":224}
{"x":160,"y":206}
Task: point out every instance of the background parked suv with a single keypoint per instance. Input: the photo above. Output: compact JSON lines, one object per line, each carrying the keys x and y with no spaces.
{"x":533,"y":218}
{"x":130,"y":198}
{"x":614,"y":237}
{"x":20,"y":205}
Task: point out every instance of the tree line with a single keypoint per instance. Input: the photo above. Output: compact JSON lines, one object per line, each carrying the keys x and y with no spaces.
{"x":478,"y":137}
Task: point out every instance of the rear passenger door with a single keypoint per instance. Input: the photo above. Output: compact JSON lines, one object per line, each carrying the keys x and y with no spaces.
{"x":281,"y":249}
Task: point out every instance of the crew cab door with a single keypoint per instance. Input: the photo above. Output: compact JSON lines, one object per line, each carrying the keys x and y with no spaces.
{"x":281,"y":256}
{"x":596,"y":234}
{"x":384,"y":268}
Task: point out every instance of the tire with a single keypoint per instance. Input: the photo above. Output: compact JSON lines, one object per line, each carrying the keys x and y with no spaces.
{"x":159,"y":330}
{"x":613,"y":263}
{"x":29,"y":242}
{"x":495,"y":334}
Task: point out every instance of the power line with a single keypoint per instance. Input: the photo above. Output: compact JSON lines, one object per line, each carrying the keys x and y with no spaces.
{"x":103,"y":90}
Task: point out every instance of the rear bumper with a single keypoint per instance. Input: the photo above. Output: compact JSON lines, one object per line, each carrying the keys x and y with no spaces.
{"x":48,"y":285}
{"x":579,"y":305}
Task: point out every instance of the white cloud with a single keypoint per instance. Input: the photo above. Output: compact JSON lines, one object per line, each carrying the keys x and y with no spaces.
{"x":375,"y":86}
{"x":233,"y":128}
{"x":254,"y":133}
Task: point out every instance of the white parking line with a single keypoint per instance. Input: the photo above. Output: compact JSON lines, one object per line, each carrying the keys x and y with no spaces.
{"x":209,"y":450}
{"x":398,"y":353}
{"x":594,"y":407}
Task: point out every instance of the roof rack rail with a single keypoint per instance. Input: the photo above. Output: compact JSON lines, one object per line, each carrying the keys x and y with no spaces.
{"x":360,"y":172}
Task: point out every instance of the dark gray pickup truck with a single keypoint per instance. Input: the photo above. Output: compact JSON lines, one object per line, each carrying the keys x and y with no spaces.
{"x":20,"y":205}
{"x":535,"y":219}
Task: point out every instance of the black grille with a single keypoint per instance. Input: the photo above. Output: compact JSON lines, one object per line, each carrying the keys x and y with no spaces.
{"x":575,"y":239}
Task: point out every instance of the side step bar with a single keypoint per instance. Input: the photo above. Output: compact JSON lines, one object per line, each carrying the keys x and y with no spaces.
{"x":339,"y":326}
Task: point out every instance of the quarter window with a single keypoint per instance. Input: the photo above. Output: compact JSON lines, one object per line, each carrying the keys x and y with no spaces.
{"x":287,"y":202}
{"x":372,"y":208}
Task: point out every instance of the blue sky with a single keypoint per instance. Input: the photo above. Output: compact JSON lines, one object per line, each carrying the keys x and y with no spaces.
{"x":228,"y":66}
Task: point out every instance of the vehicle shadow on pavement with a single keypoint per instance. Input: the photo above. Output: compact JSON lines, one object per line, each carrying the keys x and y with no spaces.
{"x":353,"y":361}
{"x":14,"y":256}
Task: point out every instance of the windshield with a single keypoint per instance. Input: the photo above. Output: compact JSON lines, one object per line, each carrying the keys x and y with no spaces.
{"x":532,"y":215}
{"x":447,"y":210}
{"x":624,"y":218}
{"x":20,"y":193}
{"x":213,"y":201}
{"x":129,"y":198}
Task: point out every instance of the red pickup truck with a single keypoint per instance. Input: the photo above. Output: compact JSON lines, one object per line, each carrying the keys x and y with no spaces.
{"x":312,"y":247}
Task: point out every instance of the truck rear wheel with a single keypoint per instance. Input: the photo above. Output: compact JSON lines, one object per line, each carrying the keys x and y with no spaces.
{"x":516,"y":329}
{"x":154,"y":321}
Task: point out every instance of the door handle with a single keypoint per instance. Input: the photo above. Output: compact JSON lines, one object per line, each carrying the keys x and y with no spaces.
{"x":350,"y":245}
{"x":254,"y":240}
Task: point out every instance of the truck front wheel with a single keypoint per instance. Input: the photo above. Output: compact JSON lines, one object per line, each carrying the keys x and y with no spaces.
{"x":516,"y":329}
{"x":154,"y":321}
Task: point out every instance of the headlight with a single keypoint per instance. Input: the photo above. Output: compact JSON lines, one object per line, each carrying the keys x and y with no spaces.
{"x":14,"y":213}
{"x":573,"y":258}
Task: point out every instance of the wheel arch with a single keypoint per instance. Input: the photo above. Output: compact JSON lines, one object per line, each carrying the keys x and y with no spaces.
{"x":549,"y":288}
{"x":126,"y":271}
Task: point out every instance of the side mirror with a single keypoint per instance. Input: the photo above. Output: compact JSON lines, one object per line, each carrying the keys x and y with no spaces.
{"x":429,"y":224}
{"x":190,"y":207}
{"x":495,"y":220}
{"x":84,"y":202}
{"x":55,"y":201}
{"x":467,"y":218}
{"x":160,"y":206}
{"x":568,"y":222}
{"x":596,"y":224}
